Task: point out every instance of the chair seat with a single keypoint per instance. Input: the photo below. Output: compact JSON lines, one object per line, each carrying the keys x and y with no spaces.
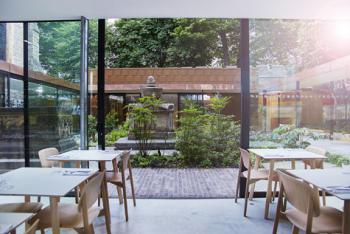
{"x":22,"y":207}
{"x":69,"y":215}
{"x":329,"y":221}
{"x":261,"y":174}
{"x":114,"y":178}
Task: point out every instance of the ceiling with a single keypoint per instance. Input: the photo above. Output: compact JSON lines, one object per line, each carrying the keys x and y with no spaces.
{"x":32,"y":10}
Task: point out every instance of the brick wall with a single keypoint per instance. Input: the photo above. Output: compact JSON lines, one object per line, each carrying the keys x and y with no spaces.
{"x":175,"y":80}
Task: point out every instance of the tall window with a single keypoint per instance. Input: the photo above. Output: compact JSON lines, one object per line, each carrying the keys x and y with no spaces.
{"x":11,"y":96}
{"x":54,"y":73}
{"x":299,"y":84}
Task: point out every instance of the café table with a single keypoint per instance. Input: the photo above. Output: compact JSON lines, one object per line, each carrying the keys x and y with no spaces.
{"x":335,"y":181}
{"x":100,"y":156}
{"x":10,"y":221}
{"x":46,"y":182}
{"x":279,"y":154}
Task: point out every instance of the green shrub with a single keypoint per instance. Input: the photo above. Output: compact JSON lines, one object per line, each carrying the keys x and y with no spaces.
{"x":292,"y":137}
{"x":111,"y":121}
{"x":92,"y":129}
{"x":114,"y":135}
{"x":142,"y":119}
{"x":206,"y":137}
{"x":337,"y":159}
{"x":158,"y":161}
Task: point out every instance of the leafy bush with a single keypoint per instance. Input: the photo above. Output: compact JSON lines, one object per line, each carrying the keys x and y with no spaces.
{"x":142,"y":119}
{"x":115,"y":134}
{"x":337,"y":159}
{"x":206,"y":137}
{"x":191,"y":135}
{"x":92,"y":129}
{"x":292,"y":137}
{"x":158,"y":161}
{"x":111,"y":121}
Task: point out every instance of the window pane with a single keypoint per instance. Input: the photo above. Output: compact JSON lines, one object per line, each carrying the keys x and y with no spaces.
{"x":11,"y":96}
{"x":300,"y":85}
{"x":54,"y":70}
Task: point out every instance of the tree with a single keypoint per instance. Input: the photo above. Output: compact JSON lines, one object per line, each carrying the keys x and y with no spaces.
{"x":172,"y":42}
{"x":59,"y":46}
{"x":138,"y":42}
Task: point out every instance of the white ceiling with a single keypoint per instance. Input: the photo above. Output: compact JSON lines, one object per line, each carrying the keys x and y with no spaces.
{"x":31,"y":10}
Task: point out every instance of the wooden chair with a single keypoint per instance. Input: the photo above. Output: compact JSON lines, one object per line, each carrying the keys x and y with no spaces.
{"x":32,"y":228}
{"x":306,"y":213}
{"x":252,"y":176}
{"x":21,"y":207}
{"x":119,"y":179}
{"x":316,"y":164}
{"x":44,"y":154}
{"x":77,"y":216}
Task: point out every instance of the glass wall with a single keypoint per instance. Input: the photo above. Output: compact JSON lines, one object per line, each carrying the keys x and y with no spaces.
{"x":54,"y":73}
{"x":188,"y":59}
{"x":300,"y":85}
{"x":11,"y":96}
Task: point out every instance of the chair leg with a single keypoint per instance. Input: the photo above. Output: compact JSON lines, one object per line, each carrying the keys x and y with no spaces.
{"x":120,"y":195}
{"x":324,"y":197}
{"x":76,"y":195}
{"x":295,"y":230}
{"x":274,"y":191}
{"x":42,"y":231}
{"x":91,"y":229}
{"x":246,"y":196}
{"x":133,"y":190}
{"x":125,"y":204}
{"x":237,"y":188}
{"x":305,"y":166}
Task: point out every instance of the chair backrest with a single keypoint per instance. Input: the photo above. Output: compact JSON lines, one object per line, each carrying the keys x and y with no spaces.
{"x":299,"y":193}
{"x":245,"y":157}
{"x":44,"y":154}
{"x":316,"y":150}
{"x":32,"y":229}
{"x":91,"y":191}
{"x":125,"y":157}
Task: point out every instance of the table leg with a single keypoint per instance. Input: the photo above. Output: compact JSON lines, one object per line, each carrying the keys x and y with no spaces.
{"x":269,"y":189}
{"x":55,"y":221}
{"x":346,"y":217}
{"x":293,"y":164}
{"x":252,"y":186}
{"x":105,"y":199}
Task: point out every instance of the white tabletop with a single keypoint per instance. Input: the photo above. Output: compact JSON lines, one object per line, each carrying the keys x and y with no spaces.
{"x":10,"y":221}
{"x":43,"y":181}
{"x":285,"y":153}
{"x":335,"y":181}
{"x":85,"y":155}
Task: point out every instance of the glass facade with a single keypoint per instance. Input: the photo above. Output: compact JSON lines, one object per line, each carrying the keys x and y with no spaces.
{"x":299,"y":84}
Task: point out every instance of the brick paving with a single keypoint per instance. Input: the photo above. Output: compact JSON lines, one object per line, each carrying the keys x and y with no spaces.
{"x":182,"y":183}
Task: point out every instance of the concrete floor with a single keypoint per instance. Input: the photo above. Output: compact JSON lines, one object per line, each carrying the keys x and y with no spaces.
{"x":202,"y":216}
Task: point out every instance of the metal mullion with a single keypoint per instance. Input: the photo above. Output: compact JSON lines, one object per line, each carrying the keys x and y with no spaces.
{"x":101,"y":84}
{"x":245,"y":91}
{"x":25,"y":96}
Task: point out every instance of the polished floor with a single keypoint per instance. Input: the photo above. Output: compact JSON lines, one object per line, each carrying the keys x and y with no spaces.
{"x":202,"y":216}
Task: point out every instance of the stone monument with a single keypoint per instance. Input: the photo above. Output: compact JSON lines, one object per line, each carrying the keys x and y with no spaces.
{"x":163,"y":129}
